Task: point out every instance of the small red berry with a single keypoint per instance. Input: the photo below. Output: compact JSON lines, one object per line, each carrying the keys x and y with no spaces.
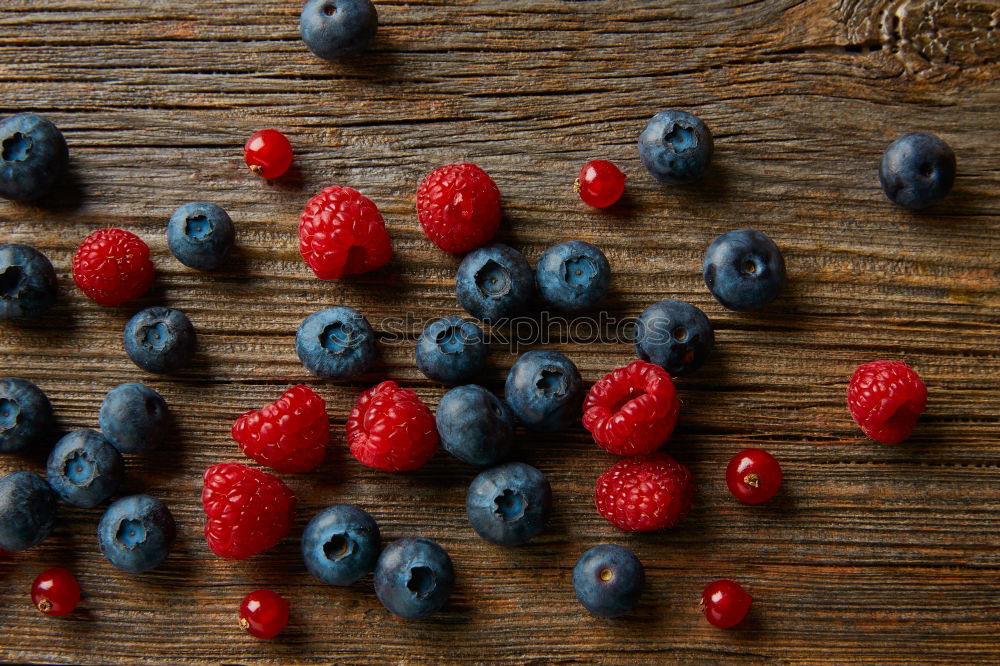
{"x":725,"y":603}
{"x":288,"y":435}
{"x":247,"y":511}
{"x":458,"y":206}
{"x":885,"y":398}
{"x":268,"y":153}
{"x":341,"y":232}
{"x":391,"y":429}
{"x":55,"y":592}
{"x":263,"y":614}
{"x":753,"y":476}
{"x":645,"y":493}
{"x":112,"y":266}
{"x":600,"y":184}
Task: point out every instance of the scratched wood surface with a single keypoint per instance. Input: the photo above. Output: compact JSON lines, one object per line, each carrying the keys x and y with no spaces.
{"x":868,"y":553}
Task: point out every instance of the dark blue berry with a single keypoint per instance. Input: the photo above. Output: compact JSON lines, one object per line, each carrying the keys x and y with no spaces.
{"x":494,"y":282}
{"x":334,"y":29}
{"x":675,"y":147}
{"x":25,"y":415}
{"x":33,"y":156}
{"x":744,"y":270}
{"x":337,"y":343}
{"x":451,"y":350}
{"x":27,"y":510}
{"x":414,"y":577}
{"x":674,"y":335}
{"x":28,"y":284}
{"x":84,"y":469}
{"x":200,"y":235}
{"x":608,"y":580}
{"x":136,"y":533}
{"x":917,"y":170}
{"x":509,"y":504}
{"x":474,"y":425}
{"x":159,"y":339}
{"x":134,"y":418}
{"x":573,"y":276}
{"x":544,"y":390}
{"x":341,"y":544}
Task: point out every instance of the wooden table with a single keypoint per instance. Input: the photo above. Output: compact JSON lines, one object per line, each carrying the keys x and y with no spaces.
{"x":869,"y":553}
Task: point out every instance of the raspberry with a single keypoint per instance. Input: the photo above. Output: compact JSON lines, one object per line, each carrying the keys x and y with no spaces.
{"x":288,"y":435}
{"x":342,"y":233}
{"x":112,"y":266}
{"x":885,"y":399}
{"x":248,"y":511}
{"x":391,"y":429}
{"x":632,"y":410}
{"x":459,"y":207}
{"x":645,"y":493}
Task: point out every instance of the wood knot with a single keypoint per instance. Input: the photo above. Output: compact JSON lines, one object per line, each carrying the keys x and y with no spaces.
{"x":941,"y":36}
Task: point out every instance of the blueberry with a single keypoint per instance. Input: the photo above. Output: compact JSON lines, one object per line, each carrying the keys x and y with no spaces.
{"x":414,"y":577}
{"x":451,"y":350}
{"x":573,"y":276}
{"x":544,"y":390}
{"x":341,"y":544}
{"x":744,"y":270}
{"x":475,"y":426}
{"x":136,"y":533}
{"x":200,"y":235}
{"x":509,"y":504}
{"x":84,"y":469}
{"x":608,"y":580}
{"x":28,"y":282}
{"x":336,"y":343}
{"x":494,"y":282}
{"x":334,"y":29}
{"x":159,"y":339}
{"x":25,"y":415}
{"x":33,"y":156}
{"x":675,"y":147}
{"x":27,"y":510}
{"x":134,"y":418}
{"x":917,"y":170}
{"x":674,"y":335}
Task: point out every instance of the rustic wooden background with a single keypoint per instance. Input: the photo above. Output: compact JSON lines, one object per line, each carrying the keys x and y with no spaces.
{"x":869,"y":553}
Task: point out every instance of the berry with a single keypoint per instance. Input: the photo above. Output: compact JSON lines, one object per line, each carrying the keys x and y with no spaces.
{"x":494,"y":283}
{"x":33,"y":156}
{"x":573,"y":276}
{"x":28,"y":284}
{"x":645,"y":493}
{"x":509,"y":504}
{"x":675,"y":147}
{"x":342,"y":233}
{"x":55,"y":592}
{"x":414,"y":577}
{"x":288,"y":435}
{"x":200,"y":235}
{"x":27,"y":510}
{"x":84,"y":469}
{"x":341,"y":544}
{"x":263,"y":614}
{"x":134,"y":418}
{"x":725,"y":603}
{"x":600,"y":183}
{"x":608,"y":580}
{"x":268,"y":153}
{"x":885,"y":399}
{"x":744,"y":270}
{"x":391,"y":429}
{"x":336,"y":343}
{"x":475,"y":426}
{"x":334,"y":29}
{"x":159,"y":339}
{"x":25,"y":415}
{"x":247,"y":511}
{"x":674,"y":335}
{"x":544,"y":390}
{"x":632,"y":410}
{"x":917,"y":170}
{"x":112,"y":267}
{"x":753,"y":476}
{"x":136,"y":533}
{"x":458,"y":207}
{"x":451,"y":350}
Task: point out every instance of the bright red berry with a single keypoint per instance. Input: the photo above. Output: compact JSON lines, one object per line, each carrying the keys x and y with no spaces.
{"x":288,"y":435}
{"x":268,"y":153}
{"x":342,"y":233}
{"x":391,"y":429}
{"x":725,"y":603}
{"x":55,"y":592}
{"x":263,"y":614}
{"x":753,"y":476}
{"x":247,"y":511}
{"x":645,"y":493}
{"x":885,"y":399}
{"x":600,"y":183}
{"x":112,"y":266}
{"x":632,"y":410}
{"x":459,"y":207}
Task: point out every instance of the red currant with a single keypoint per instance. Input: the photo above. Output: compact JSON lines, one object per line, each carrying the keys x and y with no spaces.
{"x":55,"y":592}
{"x":753,"y":476}
{"x":268,"y":153}
{"x":725,"y":603}
{"x":600,"y":184}
{"x":263,"y":614}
